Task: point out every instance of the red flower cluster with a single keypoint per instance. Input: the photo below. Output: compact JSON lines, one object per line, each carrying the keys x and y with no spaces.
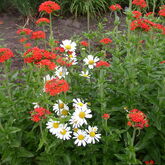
{"x":115,"y":7}
{"x":162,"y":11}
{"x":42,"y":21}
{"x":84,"y":43}
{"x":23,"y":40}
{"x":145,"y":24}
{"x":40,"y":57}
{"x":141,"y":3}
{"x":24,"y":31}
{"x":27,"y":45}
{"x":137,"y":14}
{"x":105,"y":41}
{"x":106,"y":116}
{"x":102,"y":63}
{"x":56,"y":86}
{"x":5,"y":54}
{"x":38,"y":35}
{"x":49,"y":7}
{"x":149,"y":162}
{"x":63,"y":62}
{"x":162,"y":62}
{"x":137,"y":119}
{"x":39,"y":113}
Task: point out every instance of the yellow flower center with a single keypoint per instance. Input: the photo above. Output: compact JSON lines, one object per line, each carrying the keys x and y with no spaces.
{"x":92,"y":134}
{"x":82,"y":115}
{"x":80,"y":104}
{"x":55,"y":125}
{"x":64,"y":112}
{"x":61,"y":105}
{"x":63,"y":132}
{"x":91,"y":62}
{"x":80,"y":137}
{"x":85,"y":75}
{"x":75,"y":129}
{"x":70,"y":56}
{"x":60,"y":73}
{"x":68,"y":47}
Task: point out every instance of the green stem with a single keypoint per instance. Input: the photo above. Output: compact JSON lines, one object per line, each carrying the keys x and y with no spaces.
{"x":51,"y":27}
{"x":44,"y":39}
{"x":88,"y":28}
{"x":133,"y":136}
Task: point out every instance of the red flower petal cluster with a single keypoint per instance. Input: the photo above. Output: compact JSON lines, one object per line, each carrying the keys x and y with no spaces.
{"x":106,"y":116}
{"x":149,"y":162}
{"x":137,"y":119}
{"x":46,"y":62}
{"x":102,"y":63}
{"x":38,"y":35}
{"x":49,"y":7}
{"x":56,"y":86}
{"x":137,"y":14}
{"x":115,"y":7}
{"x":39,"y":113}
{"x":145,"y":24}
{"x":42,"y":21}
{"x":23,"y":40}
{"x":162,"y":62}
{"x":162,"y":10}
{"x":105,"y":41}
{"x":24,"y":31}
{"x":84,"y":43}
{"x":27,"y":45}
{"x":40,"y":56}
{"x":63,"y":62}
{"x":141,"y":3}
{"x":5,"y":54}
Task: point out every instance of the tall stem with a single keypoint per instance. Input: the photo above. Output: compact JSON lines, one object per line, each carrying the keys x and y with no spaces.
{"x":51,"y":27}
{"x":88,"y":27}
{"x":133,"y":136}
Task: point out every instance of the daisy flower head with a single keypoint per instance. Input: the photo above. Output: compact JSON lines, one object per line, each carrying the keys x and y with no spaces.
{"x":68,"y":45}
{"x":85,"y":74}
{"x":75,"y":123}
{"x":91,"y":61}
{"x":80,"y":115}
{"x":81,"y":138}
{"x":64,"y":132}
{"x":61,"y":72}
{"x":61,"y":109}
{"x":53,"y":126}
{"x":36,"y":105}
{"x":48,"y":77}
{"x":92,"y":135}
{"x":78,"y":103}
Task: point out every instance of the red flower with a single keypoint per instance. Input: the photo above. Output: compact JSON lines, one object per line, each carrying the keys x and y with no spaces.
{"x":149,"y":162}
{"x":162,"y":62}
{"x":60,"y":49}
{"x":105,"y":41}
{"x":27,"y":45}
{"x":46,"y":62}
{"x":24,"y":31}
{"x":162,"y":12}
{"x":141,"y":3}
{"x":42,"y":21}
{"x":63,"y":62}
{"x":56,"y":86}
{"x":150,"y":13}
{"x":106,"y":116}
{"x":38,"y":35}
{"x":137,"y":119}
{"x":5,"y":54}
{"x":102,"y":63}
{"x":115,"y":7}
{"x":84,"y":43}
{"x":49,"y":7}
{"x":39,"y":113}
{"x":23,"y":40}
{"x":137,"y":14}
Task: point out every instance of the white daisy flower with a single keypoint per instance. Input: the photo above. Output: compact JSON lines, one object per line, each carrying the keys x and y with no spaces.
{"x":75,"y":123}
{"x":61,"y":72}
{"x":79,"y":103}
{"x":85,"y":74}
{"x":68,"y":45}
{"x":91,"y":61}
{"x":71,"y":55}
{"x":53,"y":126}
{"x":64,"y":132}
{"x":36,"y":105}
{"x":92,"y":135}
{"x":81,"y":138}
{"x":61,"y":109}
{"x":80,"y":115}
